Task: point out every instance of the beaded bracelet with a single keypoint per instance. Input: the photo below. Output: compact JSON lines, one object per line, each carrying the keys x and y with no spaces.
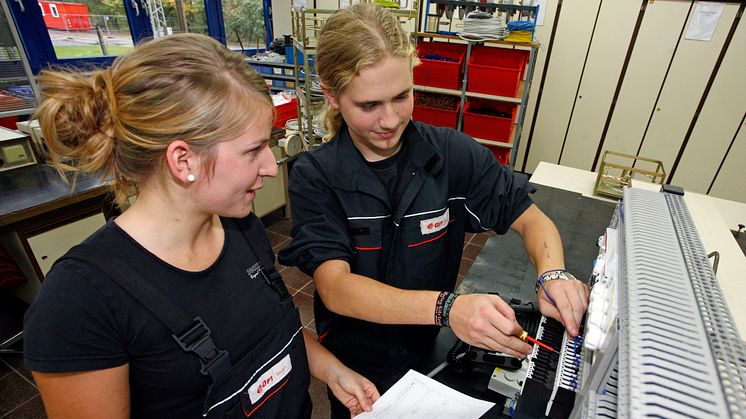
{"x":540,"y":281}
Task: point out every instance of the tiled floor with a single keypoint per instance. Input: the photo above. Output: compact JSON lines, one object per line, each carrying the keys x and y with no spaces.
{"x":19,"y":397}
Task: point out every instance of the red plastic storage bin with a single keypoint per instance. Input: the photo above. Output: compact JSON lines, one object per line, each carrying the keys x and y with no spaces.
{"x":285,"y":112}
{"x":482,"y":119}
{"x":439,"y":73}
{"x":436,"y":116}
{"x":502,"y":154}
{"x":496,"y":71}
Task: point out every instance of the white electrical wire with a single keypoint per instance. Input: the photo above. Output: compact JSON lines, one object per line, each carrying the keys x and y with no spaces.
{"x":481,"y":26}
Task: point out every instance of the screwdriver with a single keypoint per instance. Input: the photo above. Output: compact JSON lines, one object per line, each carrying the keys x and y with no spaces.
{"x":525,"y":337}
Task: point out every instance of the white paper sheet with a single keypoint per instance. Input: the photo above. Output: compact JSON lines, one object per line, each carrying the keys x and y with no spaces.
{"x":418,"y":396}
{"x":705,"y":21}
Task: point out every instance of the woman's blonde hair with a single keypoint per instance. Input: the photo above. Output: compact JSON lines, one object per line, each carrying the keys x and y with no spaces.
{"x":352,"y":39}
{"x":119,"y":121}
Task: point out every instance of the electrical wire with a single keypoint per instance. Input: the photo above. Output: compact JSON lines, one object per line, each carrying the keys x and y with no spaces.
{"x":483,"y":26}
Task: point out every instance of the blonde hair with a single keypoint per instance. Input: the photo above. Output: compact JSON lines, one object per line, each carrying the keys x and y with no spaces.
{"x":119,"y":121}
{"x":352,"y":39}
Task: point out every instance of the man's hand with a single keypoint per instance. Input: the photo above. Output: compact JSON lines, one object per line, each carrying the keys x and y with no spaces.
{"x":571,"y":299}
{"x":488,"y":322}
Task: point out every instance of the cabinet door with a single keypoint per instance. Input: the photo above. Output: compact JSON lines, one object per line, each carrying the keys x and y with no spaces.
{"x":49,"y":246}
{"x":611,"y":39}
{"x":653,"y":51}
{"x":685,"y":84}
{"x":718,"y":121}
{"x":569,"y":52}
{"x":274,"y":193}
{"x":730,"y":182}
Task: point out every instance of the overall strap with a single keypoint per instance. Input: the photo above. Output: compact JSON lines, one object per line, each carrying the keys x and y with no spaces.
{"x":192,"y":334}
{"x":267,"y":267}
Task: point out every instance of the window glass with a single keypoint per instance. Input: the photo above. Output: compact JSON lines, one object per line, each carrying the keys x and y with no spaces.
{"x":87,"y":28}
{"x":185,"y":16}
{"x":244,"y":23}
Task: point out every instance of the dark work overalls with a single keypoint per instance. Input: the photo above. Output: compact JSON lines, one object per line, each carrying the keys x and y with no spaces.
{"x":270,"y":381}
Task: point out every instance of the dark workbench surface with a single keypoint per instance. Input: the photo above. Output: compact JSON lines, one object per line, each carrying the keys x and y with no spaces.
{"x":33,"y":190}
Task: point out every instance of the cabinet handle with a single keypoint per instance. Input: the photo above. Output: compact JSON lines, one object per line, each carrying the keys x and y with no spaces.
{"x":20,"y":5}
{"x":136,"y":7}
{"x":44,"y":257}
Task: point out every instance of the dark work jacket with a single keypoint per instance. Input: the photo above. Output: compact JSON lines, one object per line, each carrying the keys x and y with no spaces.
{"x":341,"y":210}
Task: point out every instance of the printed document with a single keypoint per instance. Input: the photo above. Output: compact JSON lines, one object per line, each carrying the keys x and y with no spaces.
{"x":418,"y":396}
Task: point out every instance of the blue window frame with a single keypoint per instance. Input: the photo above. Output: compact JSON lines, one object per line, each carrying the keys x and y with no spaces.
{"x":33,"y":29}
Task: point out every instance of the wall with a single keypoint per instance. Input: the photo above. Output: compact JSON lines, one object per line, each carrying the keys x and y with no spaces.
{"x":620,"y":75}
{"x":281,"y":24}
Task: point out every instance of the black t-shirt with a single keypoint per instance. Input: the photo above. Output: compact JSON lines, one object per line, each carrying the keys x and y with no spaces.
{"x":390,"y":170}
{"x":84,"y":321}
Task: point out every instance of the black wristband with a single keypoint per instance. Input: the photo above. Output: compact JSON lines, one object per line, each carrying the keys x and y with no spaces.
{"x":447,"y":308}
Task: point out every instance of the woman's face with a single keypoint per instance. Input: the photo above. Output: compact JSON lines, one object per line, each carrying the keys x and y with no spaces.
{"x":377,"y":106}
{"x":241,"y":164}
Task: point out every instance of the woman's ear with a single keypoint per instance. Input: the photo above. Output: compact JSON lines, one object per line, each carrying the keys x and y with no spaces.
{"x":181,"y":161}
{"x":329,"y":96}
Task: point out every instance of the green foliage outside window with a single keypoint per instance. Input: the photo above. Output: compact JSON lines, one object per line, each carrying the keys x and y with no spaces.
{"x":245,"y":17}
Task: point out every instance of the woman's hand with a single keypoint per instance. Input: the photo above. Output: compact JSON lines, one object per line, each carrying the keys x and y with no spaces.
{"x":356,"y":392}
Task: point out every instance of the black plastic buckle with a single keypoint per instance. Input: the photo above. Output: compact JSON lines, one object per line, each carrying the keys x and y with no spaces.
{"x":198,"y":339}
{"x":274,"y":280}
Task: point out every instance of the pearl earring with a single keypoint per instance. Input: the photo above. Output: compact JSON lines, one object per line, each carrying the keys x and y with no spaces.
{"x":191,"y":178}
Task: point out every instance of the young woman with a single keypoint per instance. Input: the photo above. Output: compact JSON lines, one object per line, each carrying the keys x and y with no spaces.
{"x":380,"y":213}
{"x":173,"y":309}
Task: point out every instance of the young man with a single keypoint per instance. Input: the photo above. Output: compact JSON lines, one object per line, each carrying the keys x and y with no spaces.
{"x":380,"y":213}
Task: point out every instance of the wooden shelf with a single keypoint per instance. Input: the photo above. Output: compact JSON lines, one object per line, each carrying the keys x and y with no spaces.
{"x":452,"y":92}
{"x":493,"y":143}
{"x":488,"y":41}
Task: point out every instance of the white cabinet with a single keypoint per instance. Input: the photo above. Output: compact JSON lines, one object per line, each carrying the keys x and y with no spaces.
{"x":49,"y":246}
{"x":274,"y":194}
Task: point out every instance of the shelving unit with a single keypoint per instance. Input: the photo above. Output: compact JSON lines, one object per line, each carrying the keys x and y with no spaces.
{"x":274,"y":75}
{"x":429,"y":11}
{"x":307,"y":23}
{"x":14,"y":70}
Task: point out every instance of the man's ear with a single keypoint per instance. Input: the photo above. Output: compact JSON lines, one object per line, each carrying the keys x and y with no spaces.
{"x":181,"y":161}
{"x":329,"y":96}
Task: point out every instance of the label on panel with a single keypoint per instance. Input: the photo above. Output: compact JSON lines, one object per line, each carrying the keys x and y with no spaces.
{"x":705,"y":21}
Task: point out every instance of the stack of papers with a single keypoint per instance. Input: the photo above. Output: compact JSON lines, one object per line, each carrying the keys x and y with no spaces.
{"x":418,"y":396}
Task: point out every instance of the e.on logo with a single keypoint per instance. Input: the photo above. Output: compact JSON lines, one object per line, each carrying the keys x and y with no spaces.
{"x":266,"y":382}
{"x":270,"y":379}
{"x":433,"y":225}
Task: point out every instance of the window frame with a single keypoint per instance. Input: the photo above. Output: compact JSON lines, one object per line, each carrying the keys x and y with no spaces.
{"x":40,"y":51}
